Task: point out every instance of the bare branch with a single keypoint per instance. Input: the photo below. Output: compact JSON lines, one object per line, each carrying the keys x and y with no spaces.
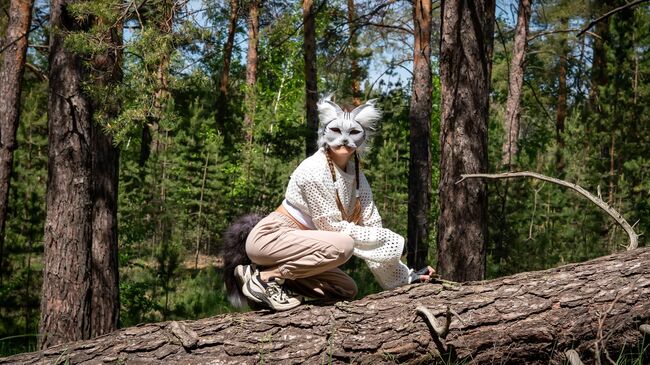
{"x":610,"y":13}
{"x":645,"y":328}
{"x":13,"y":41}
{"x":36,"y":71}
{"x":573,"y":358}
{"x":550,"y":32}
{"x":634,"y":238}
{"x":441,"y":330}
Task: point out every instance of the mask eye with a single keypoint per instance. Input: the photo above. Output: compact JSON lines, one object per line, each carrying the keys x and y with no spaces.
{"x":355,"y":131}
{"x":335,"y":130}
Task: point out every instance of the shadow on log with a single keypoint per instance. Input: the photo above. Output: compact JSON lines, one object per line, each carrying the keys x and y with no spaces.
{"x":532,"y":317}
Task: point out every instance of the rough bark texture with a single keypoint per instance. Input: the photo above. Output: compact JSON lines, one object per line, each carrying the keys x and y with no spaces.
{"x":66,"y":294}
{"x":11,"y":75}
{"x":311,"y":86}
{"x":251,"y":68}
{"x":530,"y":318}
{"x":515,"y":85}
{"x":355,"y":70}
{"x":105,"y":302}
{"x":464,"y":74}
{"x":419,"y":188}
{"x":105,"y":305}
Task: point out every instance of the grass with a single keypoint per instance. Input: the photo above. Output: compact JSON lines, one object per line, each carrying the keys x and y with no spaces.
{"x":17,"y":344}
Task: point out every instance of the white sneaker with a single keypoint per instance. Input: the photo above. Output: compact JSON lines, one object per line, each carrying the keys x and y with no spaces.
{"x":243,"y":273}
{"x":272,"y":293}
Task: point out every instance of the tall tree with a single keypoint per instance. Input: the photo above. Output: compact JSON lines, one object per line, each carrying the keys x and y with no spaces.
{"x":466,"y":43}
{"x":251,"y":68}
{"x":515,"y":85}
{"x":355,"y":71}
{"x":222,"y":112}
{"x":160,"y":16}
{"x":311,"y":86}
{"x":419,"y":187}
{"x":66,"y":295}
{"x":11,"y":74}
{"x":561,"y":109}
{"x":105,"y":303}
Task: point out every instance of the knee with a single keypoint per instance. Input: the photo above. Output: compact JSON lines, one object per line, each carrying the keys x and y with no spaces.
{"x":341,"y":248}
{"x":346,"y":247}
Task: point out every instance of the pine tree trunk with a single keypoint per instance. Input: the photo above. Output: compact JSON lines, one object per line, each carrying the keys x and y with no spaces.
{"x":561,"y":110}
{"x":515,"y":85}
{"x":528,"y":318}
{"x":419,"y":188}
{"x":222,"y":112}
{"x":251,"y":68}
{"x":66,"y":294}
{"x":105,"y":277}
{"x":105,"y":305}
{"x":11,"y":75}
{"x":464,"y":75}
{"x":311,"y":86}
{"x":355,"y":71}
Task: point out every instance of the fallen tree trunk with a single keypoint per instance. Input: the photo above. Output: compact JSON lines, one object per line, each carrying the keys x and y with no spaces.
{"x":532,"y":317}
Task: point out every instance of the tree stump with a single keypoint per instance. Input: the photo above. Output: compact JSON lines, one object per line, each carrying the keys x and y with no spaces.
{"x":532,"y":317}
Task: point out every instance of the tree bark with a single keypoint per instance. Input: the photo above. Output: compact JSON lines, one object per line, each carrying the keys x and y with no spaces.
{"x":222,"y":112}
{"x":311,"y":85}
{"x":11,"y":75}
{"x":599,"y":75}
{"x":355,"y":71}
{"x":66,"y":294}
{"x":105,"y":302}
{"x":419,"y":188}
{"x":464,"y":74}
{"x":531,"y":318}
{"x":515,"y":85}
{"x":251,"y":68}
{"x":561,"y":110}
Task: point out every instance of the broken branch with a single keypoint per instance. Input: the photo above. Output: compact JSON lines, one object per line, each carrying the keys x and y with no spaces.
{"x":634,"y":238}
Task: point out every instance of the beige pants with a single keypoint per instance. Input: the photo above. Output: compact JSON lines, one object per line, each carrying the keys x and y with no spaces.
{"x":307,"y":259}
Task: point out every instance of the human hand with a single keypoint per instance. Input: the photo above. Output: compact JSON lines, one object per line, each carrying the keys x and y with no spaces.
{"x":424,"y":275}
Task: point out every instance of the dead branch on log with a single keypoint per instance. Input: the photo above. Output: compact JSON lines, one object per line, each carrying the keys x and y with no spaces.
{"x":573,"y":358}
{"x":634,"y":238}
{"x":645,"y":329}
{"x":440,"y":330}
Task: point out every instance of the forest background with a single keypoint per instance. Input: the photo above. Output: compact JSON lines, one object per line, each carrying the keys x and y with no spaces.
{"x":199,"y":146}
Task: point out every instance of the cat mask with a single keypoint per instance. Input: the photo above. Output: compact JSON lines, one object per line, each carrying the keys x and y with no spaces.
{"x":340,"y":128}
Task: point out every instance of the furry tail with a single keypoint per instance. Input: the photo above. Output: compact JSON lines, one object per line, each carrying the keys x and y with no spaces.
{"x":234,"y":253}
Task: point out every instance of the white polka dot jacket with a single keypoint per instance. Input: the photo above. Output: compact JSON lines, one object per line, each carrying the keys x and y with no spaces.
{"x":312,"y":191}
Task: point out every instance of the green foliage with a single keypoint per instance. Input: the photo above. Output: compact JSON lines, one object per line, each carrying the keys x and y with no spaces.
{"x":540,"y":226}
{"x":174,"y":206}
{"x":21,"y":279}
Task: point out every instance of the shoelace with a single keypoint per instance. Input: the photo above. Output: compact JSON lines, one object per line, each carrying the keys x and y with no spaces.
{"x":276,"y":292}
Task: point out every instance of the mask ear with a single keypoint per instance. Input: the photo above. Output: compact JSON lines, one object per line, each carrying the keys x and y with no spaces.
{"x":328,"y":110}
{"x":366,"y":115}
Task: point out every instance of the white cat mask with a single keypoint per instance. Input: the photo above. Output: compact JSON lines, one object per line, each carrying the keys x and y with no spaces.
{"x":340,"y":128}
